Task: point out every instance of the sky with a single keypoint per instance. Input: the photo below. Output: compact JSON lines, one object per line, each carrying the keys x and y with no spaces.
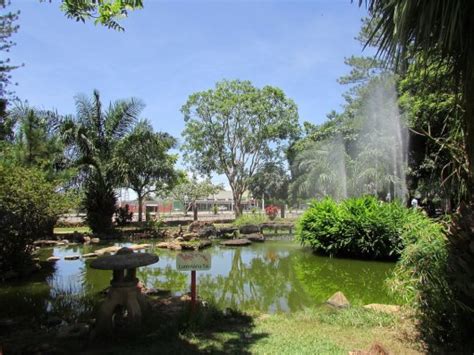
{"x":171,"y":49}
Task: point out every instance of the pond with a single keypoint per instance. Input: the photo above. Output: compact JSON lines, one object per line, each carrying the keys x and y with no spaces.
{"x":274,"y":276}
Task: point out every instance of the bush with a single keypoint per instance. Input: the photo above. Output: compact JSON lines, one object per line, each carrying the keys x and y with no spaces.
{"x":29,"y":208}
{"x":420,"y":277}
{"x":123,"y":215}
{"x":271,"y":212}
{"x":359,"y":227}
{"x":253,"y":218}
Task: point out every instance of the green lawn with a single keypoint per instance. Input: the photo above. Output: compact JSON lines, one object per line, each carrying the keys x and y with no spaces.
{"x":69,"y":230}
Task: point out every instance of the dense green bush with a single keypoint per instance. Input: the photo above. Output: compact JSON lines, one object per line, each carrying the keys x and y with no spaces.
{"x":250,"y":218}
{"x":420,"y":277}
{"x":29,"y":208}
{"x":358,"y":227}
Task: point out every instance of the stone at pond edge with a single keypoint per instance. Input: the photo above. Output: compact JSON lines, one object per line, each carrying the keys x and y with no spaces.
{"x":202,"y":229}
{"x":72,"y":257}
{"x":89,"y":255}
{"x":236,"y":242}
{"x":338,"y":300}
{"x":257,"y":237}
{"x":249,"y":229}
{"x":385,"y":308}
{"x":53,"y":259}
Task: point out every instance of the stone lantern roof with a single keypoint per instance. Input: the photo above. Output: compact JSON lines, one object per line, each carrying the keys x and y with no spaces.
{"x":125,"y":258}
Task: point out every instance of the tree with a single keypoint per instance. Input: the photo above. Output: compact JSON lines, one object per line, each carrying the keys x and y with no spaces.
{"x":144,"y":161}
{"x":104,"y":12}
{"x":7,"y":29}
{"x":270,"y":183}
{"x":188,"y":191}
{"x":30,"y":205}
{"x":440,"y":29}
{"x":235,"y":129}
{"x":93,"y":136}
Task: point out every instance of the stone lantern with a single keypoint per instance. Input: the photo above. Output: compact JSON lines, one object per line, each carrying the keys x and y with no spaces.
{"x":124,"y":293}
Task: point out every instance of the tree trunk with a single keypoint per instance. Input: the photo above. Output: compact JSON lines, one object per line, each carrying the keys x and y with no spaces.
{"x":237,"y":195}
{"x":195,"y":211}
{"x":140,"y":208}
{"x":282,"y":210}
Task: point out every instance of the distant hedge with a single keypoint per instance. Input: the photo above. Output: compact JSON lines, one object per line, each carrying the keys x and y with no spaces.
{"x":361,"y":227}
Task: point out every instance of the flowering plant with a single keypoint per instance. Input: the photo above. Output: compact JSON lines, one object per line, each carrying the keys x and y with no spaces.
{"x":271,"y":211}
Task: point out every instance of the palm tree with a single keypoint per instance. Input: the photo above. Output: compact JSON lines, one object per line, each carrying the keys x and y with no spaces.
{"x":443,"y":29}
{"x":94,"y":135}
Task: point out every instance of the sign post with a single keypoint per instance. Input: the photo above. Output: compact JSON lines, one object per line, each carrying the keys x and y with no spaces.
{"x":193,"y":261}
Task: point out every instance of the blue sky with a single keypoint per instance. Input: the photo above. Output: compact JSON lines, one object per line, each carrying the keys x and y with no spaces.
{"x":171,"y":49}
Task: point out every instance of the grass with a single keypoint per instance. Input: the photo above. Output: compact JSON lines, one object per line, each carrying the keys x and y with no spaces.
{"x":315,"y":331}
{"x":69,"y":230}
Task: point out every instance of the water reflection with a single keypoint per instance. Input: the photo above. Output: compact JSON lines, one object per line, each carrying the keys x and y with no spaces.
{"x":275,"y":276}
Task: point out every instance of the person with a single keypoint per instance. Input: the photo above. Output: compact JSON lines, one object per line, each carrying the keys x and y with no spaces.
{"x":414,"y":203}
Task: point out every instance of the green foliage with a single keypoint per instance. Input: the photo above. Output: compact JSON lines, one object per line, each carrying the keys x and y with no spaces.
{"x":358,"y":227}
{"x":252,"y":218}
{"x":420,"y":277}
{"x":8,"y":28}
{"x":29,"y":208}
{"x":106,"y":13}
{"x":93,"y":137}
{"x":124,"y":216}
{"x":144,"y":161}
{"x":235,"y":129}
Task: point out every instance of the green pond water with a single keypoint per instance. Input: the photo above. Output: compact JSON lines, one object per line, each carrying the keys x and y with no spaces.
{"x":275,"y":276}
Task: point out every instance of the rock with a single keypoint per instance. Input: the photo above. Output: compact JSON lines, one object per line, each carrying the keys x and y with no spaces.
{"x":53,"y":259}
{"x":257,"y":237}
{"x":180,"y":239}
{"x":202,"y":229}
{"x":87,"y":239}
{"x":46,"y":243}
{"x":189,"y":236}
{"x":139,"y":246}
{"x":77,"y":237}
{"x":65,"y":241}
{"x":227,"y":231}
{"x":95,"y":240}
{"x":236,"y":242}
{"x":78,"y":330}
{"x":72,"y":257}
{"x":112,"y":249}
{"x":338,"y":300}
{"x":36,"y":260}
{"x":163,"y":245}
{"x":385,"y":308}
{"x":53,"y":321}
{"x":175,"y":246}
{"x":249,"y":229}
{"x":90,"y":255}
{"x":375,"y":349}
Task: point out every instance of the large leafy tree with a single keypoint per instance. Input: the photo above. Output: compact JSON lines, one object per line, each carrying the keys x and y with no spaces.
{"x":144,"y":160}
{"x":94,"y":135}
{"x":440,"y":29}
{"x":188,"y":190}
{"x":235,"y":129}
{"x":270,"y":183}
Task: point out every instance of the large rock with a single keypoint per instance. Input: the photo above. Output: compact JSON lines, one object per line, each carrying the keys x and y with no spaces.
{"x":384,"y":308}
{"x":236,"y":242}
{"x":338,"y":300}
{"x":72,"y":257}
{"x":249,"y":229}
{"x":257,"y":237}
{"x":227,"y":232}
{"x":53,"y":259}
{"x":108,"y":250}
{"x":202,"y":229}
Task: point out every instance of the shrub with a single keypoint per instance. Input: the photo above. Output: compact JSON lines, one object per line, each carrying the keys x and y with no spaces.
{"x":29,"y":208}
{"x":253,"y":218}
{"x":271,"y":212}
{"x":359,"y":227}
{"x":124,"y":215}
